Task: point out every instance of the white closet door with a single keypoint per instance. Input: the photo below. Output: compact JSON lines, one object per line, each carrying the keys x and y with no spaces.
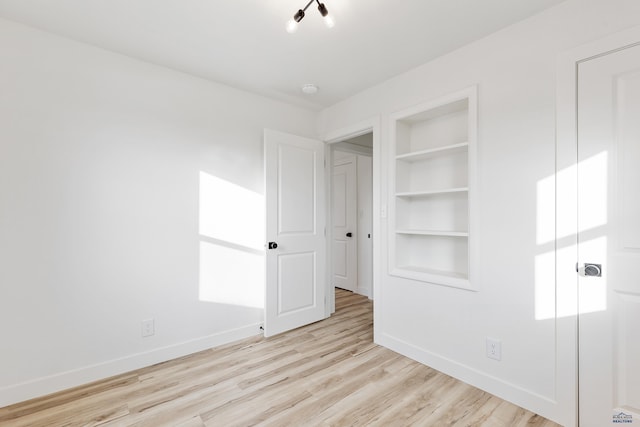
{"x":609,"y":238}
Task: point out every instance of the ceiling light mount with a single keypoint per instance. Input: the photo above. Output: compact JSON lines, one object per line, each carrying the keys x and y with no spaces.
{"x":309,"y":89}
{"x":292,"y":25}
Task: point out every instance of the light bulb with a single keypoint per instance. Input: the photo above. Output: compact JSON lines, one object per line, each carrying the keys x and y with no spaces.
{"x":292,"y":26}
{"x":329,"y":22}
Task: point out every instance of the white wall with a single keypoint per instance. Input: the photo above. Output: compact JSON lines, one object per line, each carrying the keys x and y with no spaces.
{"x":515,"y":70}
{"x":107,"y":170}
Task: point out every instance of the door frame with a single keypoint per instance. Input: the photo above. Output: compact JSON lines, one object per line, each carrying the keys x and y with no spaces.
{"x":567,"y":379}
{"x":371,"y":125}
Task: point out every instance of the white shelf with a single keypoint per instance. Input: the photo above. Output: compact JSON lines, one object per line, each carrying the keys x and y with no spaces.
{"x":432,"y":183}
{"x":434,"y":233}
{"x":417,"y":269}
{"x":432,"y":192}
{"x":440,"y":277}
{"x":417,"y":156}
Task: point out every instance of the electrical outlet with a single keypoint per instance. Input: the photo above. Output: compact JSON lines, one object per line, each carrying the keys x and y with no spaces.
{"x":494,"y":349}
{"x":148,"y":327}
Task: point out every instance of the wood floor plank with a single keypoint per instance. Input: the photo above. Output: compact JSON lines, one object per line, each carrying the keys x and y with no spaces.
{"x":381,"y":395}
{"x":329,"y":373}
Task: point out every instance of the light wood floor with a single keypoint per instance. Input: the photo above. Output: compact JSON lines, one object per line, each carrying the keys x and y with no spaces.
{"x":326,"y":374}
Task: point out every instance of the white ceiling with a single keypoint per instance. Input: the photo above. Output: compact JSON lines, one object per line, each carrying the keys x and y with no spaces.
{"x":243,"y":43}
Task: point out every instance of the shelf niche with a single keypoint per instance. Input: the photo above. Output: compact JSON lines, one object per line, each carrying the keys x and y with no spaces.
{"x":432,"y":188}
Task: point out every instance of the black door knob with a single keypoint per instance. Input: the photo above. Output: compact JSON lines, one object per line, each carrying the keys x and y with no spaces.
{"x":349,"y":234}
{"x":273,"y":245}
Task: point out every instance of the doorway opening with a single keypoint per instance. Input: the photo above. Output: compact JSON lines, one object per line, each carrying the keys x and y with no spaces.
{"x":351,"y":214}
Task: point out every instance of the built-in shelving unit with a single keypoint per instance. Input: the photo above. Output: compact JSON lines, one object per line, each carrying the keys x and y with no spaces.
{"x":432,"y":181}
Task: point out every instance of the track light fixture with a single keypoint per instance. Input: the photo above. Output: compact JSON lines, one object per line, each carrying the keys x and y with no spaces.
{"x":292,"y":25}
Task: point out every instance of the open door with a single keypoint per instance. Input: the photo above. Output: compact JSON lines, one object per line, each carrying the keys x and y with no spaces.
{"x":295,"y":231}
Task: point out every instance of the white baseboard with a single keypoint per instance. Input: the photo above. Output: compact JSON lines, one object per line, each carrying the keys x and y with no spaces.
{"x":527,"y":399}
{"x":364,"y":292}
{"x":65,"y":380}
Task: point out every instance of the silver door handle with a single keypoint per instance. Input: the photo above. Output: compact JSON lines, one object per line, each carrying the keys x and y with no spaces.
{"x":589,"y":270}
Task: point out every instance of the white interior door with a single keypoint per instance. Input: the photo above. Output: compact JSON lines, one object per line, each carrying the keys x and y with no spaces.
{"x":344,"y":218}
{"x":609,"y":235}
{"x":295,"y":229}
{"x":365,"y":226}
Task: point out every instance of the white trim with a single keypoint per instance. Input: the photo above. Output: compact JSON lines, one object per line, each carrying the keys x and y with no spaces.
{"x":369,"y":125}
{"x":76,"y":377}
{"x":515,"y":394}
{"x":566,"y":225}
{"x":345,"y":160}
{"x":348,"y":147}
{"x":351,"y":131}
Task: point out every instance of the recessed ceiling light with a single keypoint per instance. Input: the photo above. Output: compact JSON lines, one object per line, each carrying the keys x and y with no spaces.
{"x":309,"y":89}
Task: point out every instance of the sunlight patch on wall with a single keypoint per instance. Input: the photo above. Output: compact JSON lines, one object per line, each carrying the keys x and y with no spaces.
{"x":592,"y":192}
{"x":567,"y":302}
{"x":231,"y":223}
{"x":545,"y":261}
{"x":556,"y":237}
{"x":545,"y":291}
{"x":231,"y":213}
{"x":231,"y":276}
{"x":567,"y":180}
{"x":545,"y":210}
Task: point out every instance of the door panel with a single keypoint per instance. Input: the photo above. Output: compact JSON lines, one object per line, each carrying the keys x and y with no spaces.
{"x":344,"y":218}
{"x":628,"y":108}
{"x":293,"y":269}
{"x":296,"y":190}
{"x":295,"y":276}
{"x":609,"y":234}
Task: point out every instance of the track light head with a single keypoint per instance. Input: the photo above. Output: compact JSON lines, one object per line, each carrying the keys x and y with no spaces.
{"x":292,"y":25}
{"x":299,"y":15}
{"x":323,"y":9}
{"x":328,"y":19}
